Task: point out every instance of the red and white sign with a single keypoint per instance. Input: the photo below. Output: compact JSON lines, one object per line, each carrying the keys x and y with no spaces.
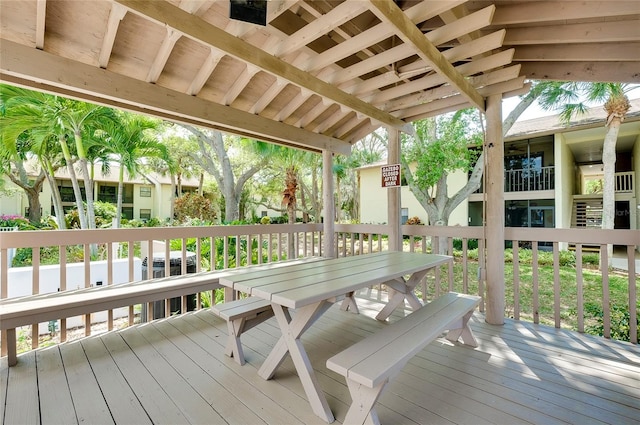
{"x":390,"y":175}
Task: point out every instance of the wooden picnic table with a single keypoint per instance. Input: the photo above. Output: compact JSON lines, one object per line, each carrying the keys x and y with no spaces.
{"x":311,"y":289}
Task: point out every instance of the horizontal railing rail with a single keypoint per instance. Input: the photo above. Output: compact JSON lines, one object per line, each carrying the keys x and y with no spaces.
{"x":532,"y":287}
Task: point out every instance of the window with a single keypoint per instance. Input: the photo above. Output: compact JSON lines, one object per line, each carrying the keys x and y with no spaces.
{"x":145,"y":214}
{"x":404,"y":215}
{"x":145,"y":192}
{"x":263,"y":213}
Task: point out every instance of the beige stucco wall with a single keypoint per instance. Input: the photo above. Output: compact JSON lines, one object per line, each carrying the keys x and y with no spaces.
{"x":373,"y":199}
{"x":565,"y":182}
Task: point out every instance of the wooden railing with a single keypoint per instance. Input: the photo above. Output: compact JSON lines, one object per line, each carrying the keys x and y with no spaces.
{"x":523,"y":278}
{"x":624,"y":182}
{"x":523,"y":180}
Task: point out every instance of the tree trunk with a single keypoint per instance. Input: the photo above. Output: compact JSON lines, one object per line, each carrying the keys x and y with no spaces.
{"x":609,"y":187}
{"x":57,"y":201}
{"x":119,"y":202}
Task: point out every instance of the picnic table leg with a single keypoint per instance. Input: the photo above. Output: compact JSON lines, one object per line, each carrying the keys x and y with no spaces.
{"x":290,"y":343}
{"x":349,"y":303}
{"x":402,"y":290}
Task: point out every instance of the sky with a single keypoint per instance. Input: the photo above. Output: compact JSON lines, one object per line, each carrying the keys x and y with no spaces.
{"x":534,"y":111}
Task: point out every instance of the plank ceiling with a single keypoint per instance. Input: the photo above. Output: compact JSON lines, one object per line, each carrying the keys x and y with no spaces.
{"x":321,"y":74}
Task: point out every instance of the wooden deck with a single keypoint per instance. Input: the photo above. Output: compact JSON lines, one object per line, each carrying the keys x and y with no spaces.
{"x":173,"y":371}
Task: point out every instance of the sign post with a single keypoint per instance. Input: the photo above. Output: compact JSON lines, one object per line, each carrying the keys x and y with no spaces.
{"x":390,"y":175}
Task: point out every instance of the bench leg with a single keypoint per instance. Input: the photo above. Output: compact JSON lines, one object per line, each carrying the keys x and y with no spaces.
{"x":462,"y":329}
{"x":234,"y":346}
{"x":12,"y":357}
{"x":363,"y":400}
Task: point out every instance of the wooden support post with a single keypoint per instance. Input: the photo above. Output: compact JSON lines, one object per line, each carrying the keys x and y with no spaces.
{"x":494,"y":151}
{"x":394,"y":203}
{"x":329,"y":209}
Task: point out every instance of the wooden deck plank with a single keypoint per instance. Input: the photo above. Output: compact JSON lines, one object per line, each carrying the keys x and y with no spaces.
{"x":21,"y":400}
{"x":160,"y":408}
{"x":119,"y":396}
{"x":189,"y":402}
{"x":211,"y":327}
{"x":85,"y":391}
{"x":520,"y":373}
{"x":199,"y":372}
{"x":56,"y":406}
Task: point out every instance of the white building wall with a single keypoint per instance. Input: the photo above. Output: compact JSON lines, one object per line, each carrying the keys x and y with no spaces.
{"x":565,"y":182}
{"x":373,"y":199}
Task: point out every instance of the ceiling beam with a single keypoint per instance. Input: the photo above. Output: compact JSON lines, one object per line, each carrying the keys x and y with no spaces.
{"x":321,"y":26}
{"x":39,"y":70}
{"x":41,"y":16}
{"x":193,"y":27}
{"x":550,"y":11}
{"x":615,"y":72}
{"x":115,"y":17}
{"x":594,"y":32}
{"x":586,"y":52}
{"x":410,"y":34}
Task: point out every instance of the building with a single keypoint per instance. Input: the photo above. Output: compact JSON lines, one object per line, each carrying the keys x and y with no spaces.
{"x":145,"y":197}
{"x":551,"y":175}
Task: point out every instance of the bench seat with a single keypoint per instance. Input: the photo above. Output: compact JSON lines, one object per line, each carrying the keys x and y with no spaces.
{"x":31,"y":309}
{"x":371,"y":363}
{"x":241,"y":315}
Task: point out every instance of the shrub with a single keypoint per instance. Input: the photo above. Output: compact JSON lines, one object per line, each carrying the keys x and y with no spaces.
{"x":414,"y":220}
{"x":192,"y":205}
{"x":471,"y":244}
{"x":620,"y":320}
{"x":18,"y":221}
{"x":265,"y":220}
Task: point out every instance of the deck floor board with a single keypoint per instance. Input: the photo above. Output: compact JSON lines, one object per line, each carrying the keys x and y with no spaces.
{"x":174,"y":371}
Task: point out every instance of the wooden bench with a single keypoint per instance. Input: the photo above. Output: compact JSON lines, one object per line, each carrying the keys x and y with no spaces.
{"x":370,"y":364}
{"x":242,"y":315}
{"x":32,"y":309}
{"x":39,"y":308}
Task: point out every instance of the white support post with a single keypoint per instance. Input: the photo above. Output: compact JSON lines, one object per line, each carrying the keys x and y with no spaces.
{"x":329,"y":208}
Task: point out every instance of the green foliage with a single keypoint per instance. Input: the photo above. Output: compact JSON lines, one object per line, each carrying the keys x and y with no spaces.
{"x":104,"y":212}
{"x":441,"y":147}
{"x":471,"y":244}
{"x":265,"y":220}
{"x":414,"y":220}
{"x":18,"y":221}
{"x":193,"y":205}
{"x":620,"y":321}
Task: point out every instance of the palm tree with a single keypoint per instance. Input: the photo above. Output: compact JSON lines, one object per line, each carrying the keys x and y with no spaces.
{"x":129,"y":142}
{"x":572,"y":101}
{"x":31,"y":117}
{"x":82,"y":120}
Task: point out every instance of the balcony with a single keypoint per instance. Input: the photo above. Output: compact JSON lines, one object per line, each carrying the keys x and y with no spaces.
{"x":532,"y":369}
{"x":524,"y":180}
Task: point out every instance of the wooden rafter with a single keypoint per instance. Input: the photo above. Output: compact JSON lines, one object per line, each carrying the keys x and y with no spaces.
{"x":167,"y":14}
{"x":115,"y":16}
{"x":40,"y":23}
{"x":93,"y":84}
{"x":426,"y":50}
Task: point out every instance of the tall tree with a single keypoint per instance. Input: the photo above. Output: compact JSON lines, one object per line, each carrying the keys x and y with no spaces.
{"x":572,"y":101}
{"x":130,"y":140}
{"x":213,"y":158}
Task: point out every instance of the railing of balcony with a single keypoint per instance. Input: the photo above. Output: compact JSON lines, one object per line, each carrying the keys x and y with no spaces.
{"x":529,"y":179}
{"x":625,"y":182}
{"x":259,"y":244}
